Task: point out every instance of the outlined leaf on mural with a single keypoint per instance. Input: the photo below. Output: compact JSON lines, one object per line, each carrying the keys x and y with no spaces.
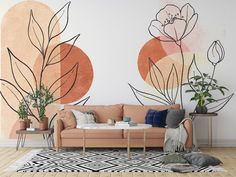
{"x":63,"y":16}
{"x":172,"y":81}
{"x":68,"y":79}
{"x":57,"y":55}
{"x":193,"y":66}
{"x":140,"y":95}
{"x":14,"y":93}
{"x":217,"y":105}
{"x":35,"y":34}
{"x":156,"y":77}
{"x":24,"y":73}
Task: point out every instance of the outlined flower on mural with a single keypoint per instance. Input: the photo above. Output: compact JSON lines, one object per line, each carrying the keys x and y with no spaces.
{"x":215,"y":55}
{"x":170,"y":27}
{"x":173,"y":23}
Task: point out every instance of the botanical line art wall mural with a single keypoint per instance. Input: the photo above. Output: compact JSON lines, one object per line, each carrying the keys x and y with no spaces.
{"x":33,"y":58}
{"x":167,"y":64}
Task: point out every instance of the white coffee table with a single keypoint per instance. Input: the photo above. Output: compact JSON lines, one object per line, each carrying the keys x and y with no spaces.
{"x":103,"y":126}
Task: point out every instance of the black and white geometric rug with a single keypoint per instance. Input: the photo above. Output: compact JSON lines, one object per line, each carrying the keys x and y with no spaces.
{"x":99,"y":160}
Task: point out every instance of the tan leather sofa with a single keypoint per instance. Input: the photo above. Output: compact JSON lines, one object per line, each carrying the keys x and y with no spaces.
{"x":115,"y":138}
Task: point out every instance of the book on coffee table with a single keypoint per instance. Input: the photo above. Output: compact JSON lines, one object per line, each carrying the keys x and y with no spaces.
{"x":122,"y":124}
{"x":30,"y":129}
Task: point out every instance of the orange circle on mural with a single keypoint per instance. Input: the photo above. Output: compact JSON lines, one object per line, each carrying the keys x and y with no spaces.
{"x":163,"y":55}
{"x":84,"y":75}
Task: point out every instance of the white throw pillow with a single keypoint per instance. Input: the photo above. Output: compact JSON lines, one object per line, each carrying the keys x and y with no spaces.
{"x":83,"y":118}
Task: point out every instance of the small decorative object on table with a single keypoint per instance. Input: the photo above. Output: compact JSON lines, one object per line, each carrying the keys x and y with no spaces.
{"x":110,"y":121}
{"x":126,"y":119}
{"x":31,"y":128}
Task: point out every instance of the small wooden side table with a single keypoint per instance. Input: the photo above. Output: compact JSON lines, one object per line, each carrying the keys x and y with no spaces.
{"x":209,"y":115}
{"x":47,"y":135}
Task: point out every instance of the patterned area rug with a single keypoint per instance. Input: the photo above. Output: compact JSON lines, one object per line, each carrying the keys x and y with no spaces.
{"x":100,"y":160}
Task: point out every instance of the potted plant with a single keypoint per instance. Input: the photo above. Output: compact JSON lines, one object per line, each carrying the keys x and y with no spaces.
{"x":202,"y":86}
{"x":41,"y":99}
{"x":23,"y":115}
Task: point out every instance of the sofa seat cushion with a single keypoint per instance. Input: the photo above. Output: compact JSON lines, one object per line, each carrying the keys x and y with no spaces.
{"x":151,"y":133}
{"x":103,"y":112}
{"x":138,"y":112}
{"x":77,"y":133}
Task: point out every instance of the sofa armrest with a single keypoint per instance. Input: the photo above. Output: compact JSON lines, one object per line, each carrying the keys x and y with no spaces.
{"x":188,"y":125}
{"x":58,"y":127}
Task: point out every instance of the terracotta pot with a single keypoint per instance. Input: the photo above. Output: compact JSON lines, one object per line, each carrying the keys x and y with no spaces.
{"x":43,"y":124}
{"x":22,"y":125}
{"x":27,"y":121}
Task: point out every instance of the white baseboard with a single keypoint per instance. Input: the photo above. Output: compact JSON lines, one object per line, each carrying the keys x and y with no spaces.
{"x":28,"y":143}
{"x":217,"y":143}
{"x":42,"y":143}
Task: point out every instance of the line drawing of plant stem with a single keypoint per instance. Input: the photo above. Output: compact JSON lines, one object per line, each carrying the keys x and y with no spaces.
{"x":166,"y":22}
{"x":37,"y":38}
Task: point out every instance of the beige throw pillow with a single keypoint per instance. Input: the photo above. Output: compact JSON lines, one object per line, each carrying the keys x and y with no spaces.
{"x":83,"y":118}
{"x":68,"y":119}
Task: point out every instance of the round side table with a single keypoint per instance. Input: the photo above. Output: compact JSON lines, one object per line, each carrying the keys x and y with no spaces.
{"x":209,"y":116}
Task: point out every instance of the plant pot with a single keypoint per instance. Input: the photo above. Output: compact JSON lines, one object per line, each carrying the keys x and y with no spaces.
{"x":22,"y":125}
{"x":43,"y":124}
{"x":201,"y":109}
{"x":27,"y":121}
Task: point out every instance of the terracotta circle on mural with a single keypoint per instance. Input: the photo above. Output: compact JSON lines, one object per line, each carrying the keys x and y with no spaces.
{"x":84,"y":75}
{"x":163,"y":54}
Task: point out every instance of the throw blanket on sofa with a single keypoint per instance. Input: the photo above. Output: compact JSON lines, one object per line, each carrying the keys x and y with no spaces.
{"x":175,"y":138}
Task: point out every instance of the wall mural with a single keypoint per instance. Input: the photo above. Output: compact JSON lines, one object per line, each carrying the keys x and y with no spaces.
{"x":167,"y":64}
{"x":34,"y":58}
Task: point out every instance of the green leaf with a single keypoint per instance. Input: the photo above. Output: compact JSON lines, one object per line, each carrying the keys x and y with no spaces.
{"x":210,"y":100}
{"x":207,"y":94}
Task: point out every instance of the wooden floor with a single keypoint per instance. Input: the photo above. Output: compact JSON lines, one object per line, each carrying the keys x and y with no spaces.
{"x":227,"y":155}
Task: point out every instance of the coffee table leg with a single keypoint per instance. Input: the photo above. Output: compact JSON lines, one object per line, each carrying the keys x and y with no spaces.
{"x":83,"y":141}
{"x":128,"y":144}
{"x":144,"y":142}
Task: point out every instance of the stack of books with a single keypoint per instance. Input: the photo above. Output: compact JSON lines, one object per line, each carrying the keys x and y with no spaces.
{"x":31,"y":129}
{"x":122,"y":124}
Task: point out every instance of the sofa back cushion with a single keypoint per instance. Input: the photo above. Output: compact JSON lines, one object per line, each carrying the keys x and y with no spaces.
{"x":68,"y":119}
{"x":138,"y":112}
{"x":103,"y":112}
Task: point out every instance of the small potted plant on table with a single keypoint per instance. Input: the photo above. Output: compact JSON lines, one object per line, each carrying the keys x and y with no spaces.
{"x":202,"y":87}
{"x":41,"y":99}
{"x":23,"y":115}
